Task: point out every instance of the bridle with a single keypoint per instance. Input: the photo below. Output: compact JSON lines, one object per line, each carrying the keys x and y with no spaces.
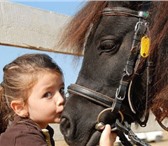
{"x":114,"y":105}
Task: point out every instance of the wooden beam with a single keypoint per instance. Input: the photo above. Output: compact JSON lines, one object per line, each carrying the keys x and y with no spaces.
{"x":27,"y":27}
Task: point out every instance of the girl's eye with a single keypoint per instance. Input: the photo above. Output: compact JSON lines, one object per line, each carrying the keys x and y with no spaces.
{"x":47,"y":95}
{"x":62,"y":92}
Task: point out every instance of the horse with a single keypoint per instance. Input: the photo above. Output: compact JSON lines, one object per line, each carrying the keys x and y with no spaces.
{"x":118,"y":83}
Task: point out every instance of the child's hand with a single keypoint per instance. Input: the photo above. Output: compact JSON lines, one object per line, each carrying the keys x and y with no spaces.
{"x":107,"y":137}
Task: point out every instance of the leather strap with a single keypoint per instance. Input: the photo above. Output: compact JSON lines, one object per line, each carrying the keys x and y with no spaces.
{"x":92,"y":95}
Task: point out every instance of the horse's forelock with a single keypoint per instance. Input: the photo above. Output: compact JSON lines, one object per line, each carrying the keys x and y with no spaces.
{"x":74,"y":34}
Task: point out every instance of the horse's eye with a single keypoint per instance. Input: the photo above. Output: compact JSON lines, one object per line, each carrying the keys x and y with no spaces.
{"x":109,"y":46}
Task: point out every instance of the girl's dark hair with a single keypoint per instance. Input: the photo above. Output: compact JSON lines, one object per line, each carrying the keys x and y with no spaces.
{"x":19,"y":77}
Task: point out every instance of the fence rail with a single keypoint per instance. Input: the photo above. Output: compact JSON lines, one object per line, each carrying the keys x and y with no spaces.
{"x":32,"y":28}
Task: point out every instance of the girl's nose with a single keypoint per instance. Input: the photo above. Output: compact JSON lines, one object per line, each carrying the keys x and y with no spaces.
{"x":60,"y":99}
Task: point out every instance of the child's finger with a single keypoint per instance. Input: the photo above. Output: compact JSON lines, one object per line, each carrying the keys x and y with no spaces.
{"x":107,"y":137}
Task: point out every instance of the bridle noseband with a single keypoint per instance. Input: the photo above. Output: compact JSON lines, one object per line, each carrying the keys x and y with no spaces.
{"x":92,"y":95}
{"x":114,"y":105}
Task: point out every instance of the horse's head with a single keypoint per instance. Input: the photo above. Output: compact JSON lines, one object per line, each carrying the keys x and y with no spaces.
{"x":108,"y":71}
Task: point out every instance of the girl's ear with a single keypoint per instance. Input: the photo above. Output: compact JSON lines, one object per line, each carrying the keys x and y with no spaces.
{"x":19,"y":108}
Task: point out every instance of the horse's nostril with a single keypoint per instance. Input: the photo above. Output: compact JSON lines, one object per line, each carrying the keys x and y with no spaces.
{"x":65,"y":127}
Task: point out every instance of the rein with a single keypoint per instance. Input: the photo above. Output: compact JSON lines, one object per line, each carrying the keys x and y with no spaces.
{"x":114,"y":105}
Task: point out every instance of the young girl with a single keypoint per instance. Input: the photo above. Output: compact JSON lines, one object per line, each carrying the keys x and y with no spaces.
{"x":32,"y":93}
{"x":31,"y":97}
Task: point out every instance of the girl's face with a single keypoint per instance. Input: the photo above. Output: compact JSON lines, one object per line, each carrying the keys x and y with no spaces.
{"x":46,"y":101}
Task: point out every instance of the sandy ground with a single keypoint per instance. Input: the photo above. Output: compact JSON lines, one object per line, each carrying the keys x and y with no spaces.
{"x":60,"y":143}
{"x":162,"y":143}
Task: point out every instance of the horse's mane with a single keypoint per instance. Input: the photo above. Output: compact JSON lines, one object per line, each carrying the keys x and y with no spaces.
{"x":159,"y":55}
